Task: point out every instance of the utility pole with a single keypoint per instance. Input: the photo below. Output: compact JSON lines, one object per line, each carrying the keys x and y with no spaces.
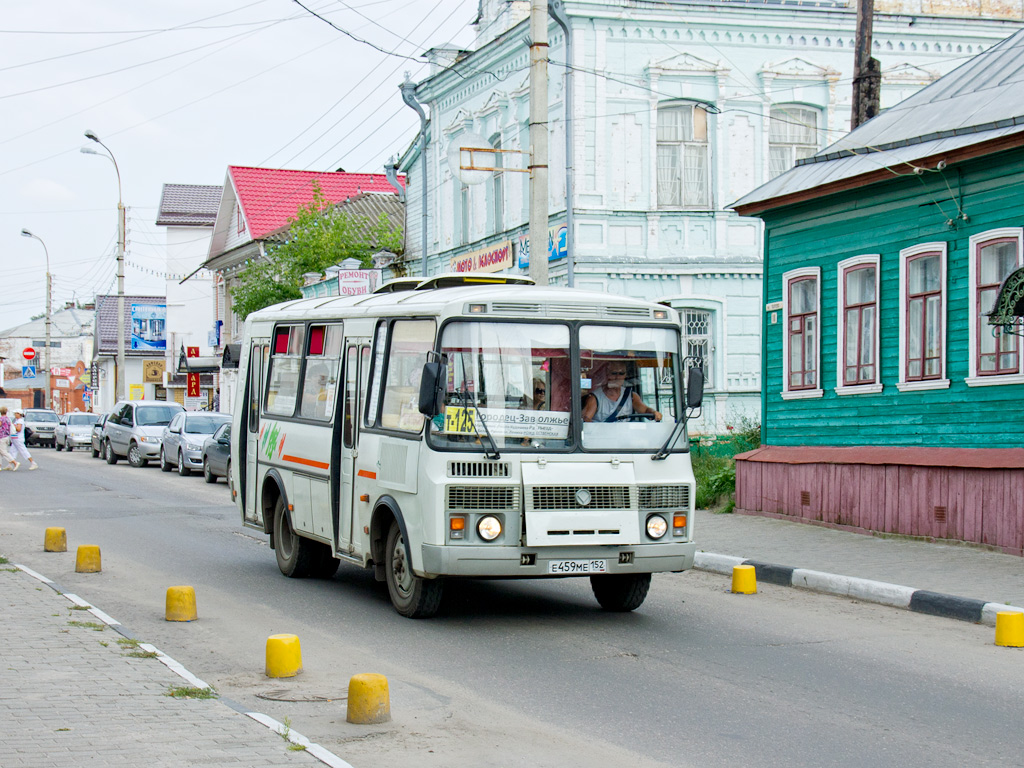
{"x":539,"y":141}
{"x":867,"y":71}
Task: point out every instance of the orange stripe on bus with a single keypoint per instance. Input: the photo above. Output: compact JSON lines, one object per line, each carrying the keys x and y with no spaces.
{"x":307,"y":462}
{"x":367,"y":473}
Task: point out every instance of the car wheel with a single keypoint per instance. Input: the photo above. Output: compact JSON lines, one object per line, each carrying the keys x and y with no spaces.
{"x":295,"y":555}
{"x":182,"y":469}
{"x":621,"y":592}
{"x":164,"y":465}
{"x":95,"y":453}
{"x":227,"y":478}
{"x":412,"y":596}
{"x":68,"y":446}
{"x":109,"y":453}
{"x":135,"y":455}
{"x":59,"y":447}
{"x":208,"y":475}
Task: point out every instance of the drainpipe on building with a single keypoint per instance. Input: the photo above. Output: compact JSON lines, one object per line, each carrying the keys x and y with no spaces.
{"x":408,"y":89}
{"x":556,"y":9}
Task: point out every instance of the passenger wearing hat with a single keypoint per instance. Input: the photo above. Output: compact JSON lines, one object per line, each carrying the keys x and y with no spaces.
{"x":18,"y":441}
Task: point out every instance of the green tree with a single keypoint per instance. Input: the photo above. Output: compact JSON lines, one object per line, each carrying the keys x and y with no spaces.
{"x":320,"y":235}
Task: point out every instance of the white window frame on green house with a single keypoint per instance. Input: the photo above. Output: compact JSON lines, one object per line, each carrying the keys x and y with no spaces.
{"x":788,"y":278}
{"x":874,"y":387}
{"x":906,"y":255}
{"x":979,"y":326}
{"x":692,"y":156}
{"x":792,"y":136}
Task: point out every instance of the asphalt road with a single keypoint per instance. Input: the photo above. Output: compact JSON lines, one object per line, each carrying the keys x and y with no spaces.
{"x":525,"y":673}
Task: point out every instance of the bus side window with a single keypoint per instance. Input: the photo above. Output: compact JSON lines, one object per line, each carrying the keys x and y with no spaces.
{"x":410,"y":342}
{"x":320,"y":382}
{"x":283,"y":387}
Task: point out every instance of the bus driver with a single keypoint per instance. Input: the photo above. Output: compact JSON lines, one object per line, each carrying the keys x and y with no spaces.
{"x":613,"y":401}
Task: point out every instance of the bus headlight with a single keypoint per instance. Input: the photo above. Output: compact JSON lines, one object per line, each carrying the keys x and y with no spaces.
{"x":656,"y":526}
{"x":489,"y":527}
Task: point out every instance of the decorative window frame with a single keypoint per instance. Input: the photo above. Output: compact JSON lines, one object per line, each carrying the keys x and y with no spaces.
{"x":819,"y":129}
{"x":709,"y":152}
{"x":787,"y":278}
{"x":905,"y":256}
{"x":875,"y":387}
{"x":719,"y":320}
{"x":974,"y":243}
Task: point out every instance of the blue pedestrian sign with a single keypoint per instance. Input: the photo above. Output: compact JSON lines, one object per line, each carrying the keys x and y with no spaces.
{"x":28,"y":371}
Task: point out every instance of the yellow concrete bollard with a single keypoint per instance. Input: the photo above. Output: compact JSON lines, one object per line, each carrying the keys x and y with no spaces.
{"x":55,"y":540}
{"x":181,"y":604}
{"x":284,"y":656}
{"x":368,"y":699}
{"x":1010,"y":629}
{"x":744,"y":580}
{"x":88,"y":559}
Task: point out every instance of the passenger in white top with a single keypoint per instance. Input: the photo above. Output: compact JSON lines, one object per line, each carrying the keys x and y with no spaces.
{"x":613,"y":401}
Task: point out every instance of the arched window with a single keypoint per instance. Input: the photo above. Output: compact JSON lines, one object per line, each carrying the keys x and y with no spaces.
{"x":683,"y":156}
{"x":792,"y":136}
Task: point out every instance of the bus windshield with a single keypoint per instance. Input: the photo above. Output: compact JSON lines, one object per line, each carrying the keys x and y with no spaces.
{"x":512,"y":383}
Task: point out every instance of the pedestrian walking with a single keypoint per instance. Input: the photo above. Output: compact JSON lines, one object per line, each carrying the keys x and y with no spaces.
{"x":18,"y":447}
{"x":6,"y":460}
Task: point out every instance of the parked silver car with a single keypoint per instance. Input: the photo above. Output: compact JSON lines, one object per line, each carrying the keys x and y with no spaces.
{"x":74,"y":430}
{"x":134,"y":429}
{"x":181,"y":444}
{"x":217,"y":455}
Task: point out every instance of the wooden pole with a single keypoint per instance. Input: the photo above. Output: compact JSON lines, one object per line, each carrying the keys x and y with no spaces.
{"x":867,"y":71}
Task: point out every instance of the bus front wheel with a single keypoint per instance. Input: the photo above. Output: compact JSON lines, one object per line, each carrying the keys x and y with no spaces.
{"x":295,"y":555}
{"x":621,"y":592}
{"x":411,"y":596}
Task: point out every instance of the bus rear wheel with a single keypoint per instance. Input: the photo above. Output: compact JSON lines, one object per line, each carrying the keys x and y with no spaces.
{"x":621,"y":592}
{"x":411,"y":596}
{"x":295,"y":554}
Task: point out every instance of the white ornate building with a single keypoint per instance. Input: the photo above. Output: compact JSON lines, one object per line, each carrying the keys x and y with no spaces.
{"x":678,"y":109}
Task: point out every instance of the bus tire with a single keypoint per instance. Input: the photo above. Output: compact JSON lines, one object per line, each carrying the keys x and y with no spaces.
{"x":413,"y":597}
{"x":295,"y":554}
{"x":325,"y":564}
{"x":621,"y":592}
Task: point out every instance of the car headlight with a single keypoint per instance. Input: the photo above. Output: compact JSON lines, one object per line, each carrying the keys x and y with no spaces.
{"x":194,"y":447}
{"x":656,"y":526}
{"x":489,"y":527}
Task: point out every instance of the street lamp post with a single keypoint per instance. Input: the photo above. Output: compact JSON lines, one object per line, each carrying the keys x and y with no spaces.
{"x":49,"y":302}
{"x":120,"y":386}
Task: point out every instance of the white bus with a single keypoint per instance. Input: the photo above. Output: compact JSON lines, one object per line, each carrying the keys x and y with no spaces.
{"x":468,"y":426}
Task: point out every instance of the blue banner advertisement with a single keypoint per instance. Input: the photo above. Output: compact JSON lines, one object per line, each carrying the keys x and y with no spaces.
{"x":149,"y":325}
{"x":556,"y":245}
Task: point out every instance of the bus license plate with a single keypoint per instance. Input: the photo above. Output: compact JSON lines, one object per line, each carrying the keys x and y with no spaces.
{"x":578,"y":566}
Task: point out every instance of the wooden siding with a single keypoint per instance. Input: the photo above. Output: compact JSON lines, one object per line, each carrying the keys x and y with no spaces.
{"x":884,"y":219}
{"x":981,"y":506}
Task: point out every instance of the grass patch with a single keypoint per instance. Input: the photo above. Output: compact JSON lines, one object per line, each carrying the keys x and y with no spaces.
{"x":80,"y":608}
{"x":191,"y":692}
{"x":93,"y":625}
{"x":4,"y":560}
{"x":140,"y":654}
{"x":714,"y":466}
{"x":127,"y":642}
{"x":297,"y":747}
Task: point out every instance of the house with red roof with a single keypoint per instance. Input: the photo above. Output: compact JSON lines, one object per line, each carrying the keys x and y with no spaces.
{"x":256,"y":205}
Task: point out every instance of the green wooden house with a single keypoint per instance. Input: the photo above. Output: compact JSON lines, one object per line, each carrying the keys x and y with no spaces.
{"x":890,"y":403}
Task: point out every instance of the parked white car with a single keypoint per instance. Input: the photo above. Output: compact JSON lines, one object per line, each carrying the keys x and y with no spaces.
{"x":133,"y":430}
{"x":182,"y":442}
{"x":74,"y":430}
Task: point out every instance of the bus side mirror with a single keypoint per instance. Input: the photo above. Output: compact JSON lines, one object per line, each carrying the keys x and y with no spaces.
{"x":694,"y":388}
{"x":431,"y":388}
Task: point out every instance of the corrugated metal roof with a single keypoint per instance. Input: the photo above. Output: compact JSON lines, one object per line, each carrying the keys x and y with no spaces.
{"x":106,"y":324}
{"x":980,"y":100}
{"x":365,"y":209}
{"x":189,"y":205}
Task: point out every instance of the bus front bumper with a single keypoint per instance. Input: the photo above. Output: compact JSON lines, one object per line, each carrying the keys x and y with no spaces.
{"x":507,"y":562}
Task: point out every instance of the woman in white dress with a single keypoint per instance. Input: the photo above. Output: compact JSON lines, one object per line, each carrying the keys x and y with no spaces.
{"x":614,"y":401}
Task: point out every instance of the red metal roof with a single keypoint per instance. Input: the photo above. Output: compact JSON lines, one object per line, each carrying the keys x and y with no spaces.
{"x":269,"y":197}
{"x":919,"y":456}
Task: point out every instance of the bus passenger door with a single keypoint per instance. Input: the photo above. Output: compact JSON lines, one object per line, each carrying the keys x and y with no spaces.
{"x":250,"y":467}
{"x":356,"y":357}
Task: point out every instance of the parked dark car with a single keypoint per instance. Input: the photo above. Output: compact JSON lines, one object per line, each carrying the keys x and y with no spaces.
{"x":40,"y":425}
{"x":217,"y":455}
{"x":97,"y":435}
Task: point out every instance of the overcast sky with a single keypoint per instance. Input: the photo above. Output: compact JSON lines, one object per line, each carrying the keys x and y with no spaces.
{"x":179,"y":91}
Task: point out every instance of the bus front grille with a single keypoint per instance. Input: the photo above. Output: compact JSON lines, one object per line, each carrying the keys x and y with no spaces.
{"x":664,"y":496}
{"x":476,"y":498}
{"x":579,"y":497}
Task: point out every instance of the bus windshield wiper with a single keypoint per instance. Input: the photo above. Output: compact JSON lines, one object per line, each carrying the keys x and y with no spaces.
{"x":466,"y":396}
{"x":663,"y":451}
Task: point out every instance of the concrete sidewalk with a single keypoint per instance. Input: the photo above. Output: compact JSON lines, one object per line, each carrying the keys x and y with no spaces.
{"x":71,"y":695}
{"x":944,"y":570}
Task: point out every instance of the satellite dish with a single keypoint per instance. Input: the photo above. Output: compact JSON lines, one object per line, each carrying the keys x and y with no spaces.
{"x":461,"y":155}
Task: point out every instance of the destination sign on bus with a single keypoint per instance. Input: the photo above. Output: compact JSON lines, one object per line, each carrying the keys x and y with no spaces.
{"x":553,"y":425}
